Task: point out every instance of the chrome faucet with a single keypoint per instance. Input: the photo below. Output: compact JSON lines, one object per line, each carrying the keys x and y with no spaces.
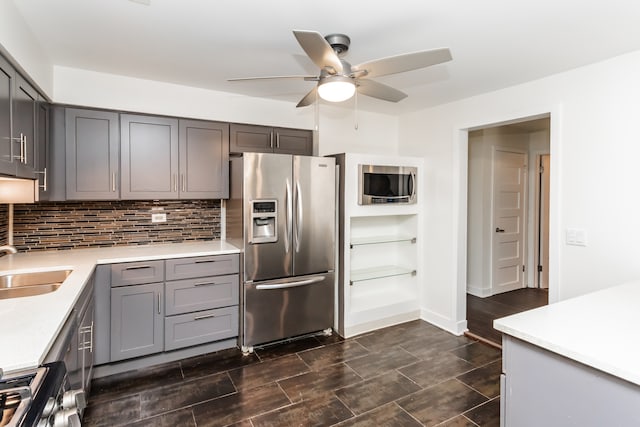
{"x":8,"y":249}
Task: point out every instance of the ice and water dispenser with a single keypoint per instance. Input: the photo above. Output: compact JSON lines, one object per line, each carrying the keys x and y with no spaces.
{"x":264,"y":221}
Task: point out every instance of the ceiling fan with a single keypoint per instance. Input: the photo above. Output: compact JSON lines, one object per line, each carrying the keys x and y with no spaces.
{"x":339,"y":80}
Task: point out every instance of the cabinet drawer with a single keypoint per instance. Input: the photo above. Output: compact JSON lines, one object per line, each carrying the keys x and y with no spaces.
{"x":134,"y":273}
{"x":184,"y":296}
{"x":186,"y":268}
{"x":198,"y":328}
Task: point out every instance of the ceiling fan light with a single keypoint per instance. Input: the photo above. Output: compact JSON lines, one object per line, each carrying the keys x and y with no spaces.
{"x":336,"y":89}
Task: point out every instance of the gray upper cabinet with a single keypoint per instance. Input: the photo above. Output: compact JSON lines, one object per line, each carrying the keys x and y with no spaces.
{"x":92,"y":148}
{"x":43,"y":158}
{"x":7,"y":77}
{"x":204,"y":159}
{"x":262,"y":139}
{"x":25,"y":106}
{"x":149,"y":157}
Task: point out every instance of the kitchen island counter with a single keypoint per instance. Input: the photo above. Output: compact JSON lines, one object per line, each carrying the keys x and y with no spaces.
{"x":31,"y":324}
{"x":597,"y":330}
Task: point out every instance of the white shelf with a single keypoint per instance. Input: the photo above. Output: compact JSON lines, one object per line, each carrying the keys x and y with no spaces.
{"x":373,"y":240}
{"x":381,"y":272}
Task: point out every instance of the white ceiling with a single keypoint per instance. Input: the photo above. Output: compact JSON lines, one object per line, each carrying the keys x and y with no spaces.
{"x":494,"y":43}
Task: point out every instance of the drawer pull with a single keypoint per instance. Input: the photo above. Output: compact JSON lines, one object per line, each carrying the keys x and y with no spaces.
{"x":204,"y":283}
{"x":138,"y":267}
{"x":208,"y":316}
{"x":204,"y":261}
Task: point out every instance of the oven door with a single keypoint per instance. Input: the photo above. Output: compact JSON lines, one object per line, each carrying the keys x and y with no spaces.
{"x":386,"y":184}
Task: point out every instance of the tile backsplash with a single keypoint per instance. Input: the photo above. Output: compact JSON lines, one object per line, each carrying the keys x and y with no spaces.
{"x":69,"y":225}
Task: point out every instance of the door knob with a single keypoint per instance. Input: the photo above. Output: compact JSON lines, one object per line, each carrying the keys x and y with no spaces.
{"x":499,"y":230}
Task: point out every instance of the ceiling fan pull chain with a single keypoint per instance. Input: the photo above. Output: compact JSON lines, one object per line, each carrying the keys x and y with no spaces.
{"x":356,"y":110}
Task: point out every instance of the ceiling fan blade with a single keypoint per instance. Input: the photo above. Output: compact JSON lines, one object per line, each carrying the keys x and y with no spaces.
{"x":378,"y":90}
{"x":402,"y":63}
{"x":318,"y":49}
{"x":309,"y":98}
{"x":306,"y":78}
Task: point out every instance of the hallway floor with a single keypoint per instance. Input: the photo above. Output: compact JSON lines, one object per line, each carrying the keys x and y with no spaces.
{"x":412,"y":374}
{"x":481,"y":312}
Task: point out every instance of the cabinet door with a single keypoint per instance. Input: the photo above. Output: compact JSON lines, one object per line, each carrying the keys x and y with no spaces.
{"x":24,"y":127}
{"x":7,"y":75}
{"x":42,"y":148}
{"x":251,"y":138}
{"x":149,"y":157}
{"x":204,"y":160}
{"x":91,"y":154}
{"x":137,"y":317}
{"x":293,"y":141}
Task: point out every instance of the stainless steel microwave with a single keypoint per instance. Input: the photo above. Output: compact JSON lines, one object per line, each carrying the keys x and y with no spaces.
{"x":386,"y":184}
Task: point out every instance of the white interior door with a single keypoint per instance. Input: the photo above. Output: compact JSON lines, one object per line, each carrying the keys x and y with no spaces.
{"x":508,"y":228}
{"x":545,"y":163}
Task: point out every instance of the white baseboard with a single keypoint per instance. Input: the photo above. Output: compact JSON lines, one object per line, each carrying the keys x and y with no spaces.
{"x":449,"y":325}
{"x":350,"y":331}
{"x":479,"y":292}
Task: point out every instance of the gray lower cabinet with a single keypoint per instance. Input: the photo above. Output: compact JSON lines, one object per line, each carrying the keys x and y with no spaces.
{"x":264,"y":139}
{"x":164,"y":305}
{"x":137,"y":317}
{"x":542,"y":388}
{"x":92,"y":149}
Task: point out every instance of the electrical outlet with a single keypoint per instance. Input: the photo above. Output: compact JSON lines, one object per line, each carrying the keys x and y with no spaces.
{"x":159,"y":217}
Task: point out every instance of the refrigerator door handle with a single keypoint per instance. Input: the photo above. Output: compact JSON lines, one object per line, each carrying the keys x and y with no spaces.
{"x":289,"y":217}
{"x":309,"y":281}
{"x":299,"y":217}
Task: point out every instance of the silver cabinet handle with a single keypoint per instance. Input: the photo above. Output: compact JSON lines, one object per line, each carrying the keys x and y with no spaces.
{"x":183,"y":179}
{"x":24,"y":150}
{"x":43,"y":186}
{"x":206,"y":316}
{"x":137,"y":267}
{"x":113,"y":181}
{"x":277,"y":139}
{"x":174,"y":178}
{"x":159,"y":298}
{"x":204,"y":283}
{"x":271,"y":140}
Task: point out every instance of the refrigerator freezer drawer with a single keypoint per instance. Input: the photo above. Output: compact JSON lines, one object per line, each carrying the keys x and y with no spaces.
{"x":275,"y":310}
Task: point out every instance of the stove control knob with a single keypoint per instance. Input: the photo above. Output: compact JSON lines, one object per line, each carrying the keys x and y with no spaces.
{"x":74,"y":399}
{"x":65,"y":418}
{"x":49,"y":407}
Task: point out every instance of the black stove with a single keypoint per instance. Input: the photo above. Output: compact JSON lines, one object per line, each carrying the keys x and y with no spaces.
{"x":34,"y":397}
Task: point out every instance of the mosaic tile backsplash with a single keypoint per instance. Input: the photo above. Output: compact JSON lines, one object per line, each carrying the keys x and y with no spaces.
{"x":70,"y":225}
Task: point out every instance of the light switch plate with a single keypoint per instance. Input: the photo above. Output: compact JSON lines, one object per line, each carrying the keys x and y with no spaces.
{"x":159,"y":217}
{"x":576,"y":237}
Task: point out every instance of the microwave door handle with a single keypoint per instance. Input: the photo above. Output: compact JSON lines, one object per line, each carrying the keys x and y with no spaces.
{"x":389,"y":197}
{"x":413,"y":187}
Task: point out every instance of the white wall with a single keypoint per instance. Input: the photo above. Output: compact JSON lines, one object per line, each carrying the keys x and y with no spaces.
{"x":17,"y":42}
{"x":594,"y":154}
{"x":377,"y":133}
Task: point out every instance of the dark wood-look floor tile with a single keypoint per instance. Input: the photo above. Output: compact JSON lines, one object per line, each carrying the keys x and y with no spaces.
{"x":240,"y":406}
{"x":213,"y":363}
{"x":133,"y":382}
{"x":375,"y":364}
{"x":485,"y":379}
{"x":289,"y":347}
{"x":115,"y":412}
{"x":317,"y":383}
{"x":315,"y":412}
{"x":375,"y":392}
{"x":432,"y":346}
{"x":478,"y":354}
{"x":487,"y":414}
{"x":244,"y":423}
{"x":182,"y":418}
{"x":383,"y":339}
{"x":322,"y":357}
{"x":441,"y":402}
{"x":459,"y":421}
{"x":265,"y":372}
{"x":172,"y":397}
{"x":430,"y":372}
{"x":389,"y":415}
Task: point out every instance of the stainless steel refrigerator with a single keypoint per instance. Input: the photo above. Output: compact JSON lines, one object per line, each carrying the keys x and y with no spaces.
{"x":281,"y":212}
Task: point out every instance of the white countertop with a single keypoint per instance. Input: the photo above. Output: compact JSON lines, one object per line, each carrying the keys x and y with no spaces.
{"x":597,"y":329}
{"x":29,"y":325}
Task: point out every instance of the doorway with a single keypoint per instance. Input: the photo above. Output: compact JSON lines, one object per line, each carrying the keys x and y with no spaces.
{"x":507,"y":223}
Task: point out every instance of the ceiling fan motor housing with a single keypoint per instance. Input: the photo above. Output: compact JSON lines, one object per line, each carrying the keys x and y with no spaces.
{"x":339,"y":42}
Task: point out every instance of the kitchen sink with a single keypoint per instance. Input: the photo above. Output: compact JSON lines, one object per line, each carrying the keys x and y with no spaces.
{"x":29,"y":284}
